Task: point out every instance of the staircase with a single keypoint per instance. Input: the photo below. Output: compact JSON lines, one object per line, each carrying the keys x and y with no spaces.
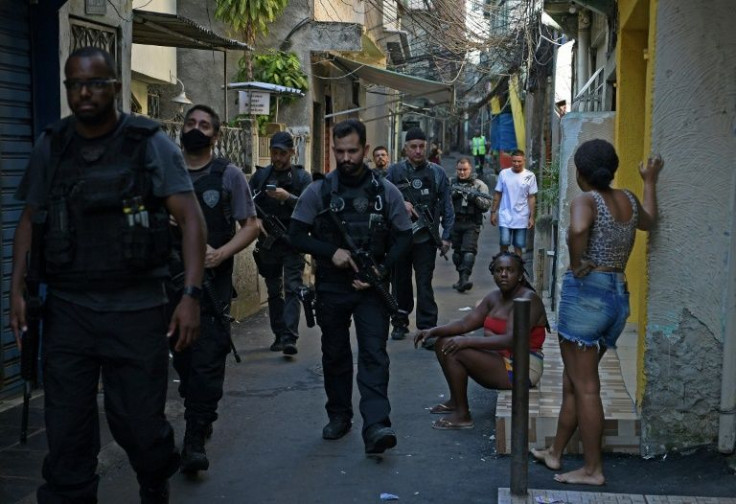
{"x":621,"y":429}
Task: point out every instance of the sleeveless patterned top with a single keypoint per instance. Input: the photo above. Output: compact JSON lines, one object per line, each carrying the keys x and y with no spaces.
{"x":610,"y":242}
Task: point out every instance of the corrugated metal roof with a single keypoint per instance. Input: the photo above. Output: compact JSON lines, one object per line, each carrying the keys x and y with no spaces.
{"x":266,"y":87}
{"x":437,"y":92}
{"x":173,"y":30}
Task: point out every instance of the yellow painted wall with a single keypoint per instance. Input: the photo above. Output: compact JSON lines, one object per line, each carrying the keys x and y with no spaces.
{"x":635,"y":72}
{"x":517,"y":111}
{"x":156,"y":63}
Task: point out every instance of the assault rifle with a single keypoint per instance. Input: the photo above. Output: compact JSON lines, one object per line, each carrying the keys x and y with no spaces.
{"x":274,"y":227}
{"x":468,"y":192}
{"x":215,"y":306}
{"x":31,"y":337}
{"x":424,"y":220}
{"x":368,"y":269}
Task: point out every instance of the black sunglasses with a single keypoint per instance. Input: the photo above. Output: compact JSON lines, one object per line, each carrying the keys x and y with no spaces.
{"x":92,"y":84}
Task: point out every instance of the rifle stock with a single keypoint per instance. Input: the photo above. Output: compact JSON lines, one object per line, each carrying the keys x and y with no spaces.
{"x":31,"y":337}
{"x":274,"y":227}
{"x":214,"y":305}
{"x":367,"y":267}
{"x":425,"y":220}
{"x":470,"y":192}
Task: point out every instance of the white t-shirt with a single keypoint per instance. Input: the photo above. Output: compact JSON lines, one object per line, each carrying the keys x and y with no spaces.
{"x":515,"y":189}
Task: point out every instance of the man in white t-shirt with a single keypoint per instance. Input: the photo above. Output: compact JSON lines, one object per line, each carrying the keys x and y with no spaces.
{"x":514,"y":202}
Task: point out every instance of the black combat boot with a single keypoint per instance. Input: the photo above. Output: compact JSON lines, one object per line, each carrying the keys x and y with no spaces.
{"x":155,"y":494}
{"x":464,"y":283}
{"x":458,"y":285}
{"x":288,"y":346}
{"x":193,"y":456}
{"x":277,"y":345}
{"x":400,"y":322}
{"x":467,"y":267}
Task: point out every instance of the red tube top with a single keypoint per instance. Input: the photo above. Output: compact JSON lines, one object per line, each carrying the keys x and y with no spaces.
{"x":498,"y":326}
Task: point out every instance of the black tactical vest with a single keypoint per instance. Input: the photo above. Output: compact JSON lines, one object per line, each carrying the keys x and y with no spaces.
{"x":419,"y":186}
{"x":105,"y":228}
{"x":362,"y":209}
{"x":465,"y":210}
{"x":287,"y":180}
{"x":216,"y":207}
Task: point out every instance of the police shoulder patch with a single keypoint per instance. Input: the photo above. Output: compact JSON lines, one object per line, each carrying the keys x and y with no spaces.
{"x":211,"y":198}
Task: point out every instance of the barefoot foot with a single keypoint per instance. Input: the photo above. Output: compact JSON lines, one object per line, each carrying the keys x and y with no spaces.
{"x":545,"y":457}
{"x":581,"y":477}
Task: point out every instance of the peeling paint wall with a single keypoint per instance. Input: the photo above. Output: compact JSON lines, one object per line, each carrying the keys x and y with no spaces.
{"x":693,"y":126}
{"x":576,"y":128}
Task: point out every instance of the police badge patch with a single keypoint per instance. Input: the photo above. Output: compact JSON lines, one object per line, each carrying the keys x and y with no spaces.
{"x":416,"y":183}
{"x":211,"y":198}
{"x":360,"y":204}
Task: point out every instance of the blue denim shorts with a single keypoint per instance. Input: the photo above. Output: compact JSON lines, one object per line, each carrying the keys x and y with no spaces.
{"x":509,"y":235}
{"x":593,"y":308}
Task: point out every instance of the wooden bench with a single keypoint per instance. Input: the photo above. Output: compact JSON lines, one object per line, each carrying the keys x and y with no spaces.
{"x":621,"y":430}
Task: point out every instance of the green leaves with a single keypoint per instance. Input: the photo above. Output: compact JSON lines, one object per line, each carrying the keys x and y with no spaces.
{"x":249,"y":16}
{"x":277,"y":67}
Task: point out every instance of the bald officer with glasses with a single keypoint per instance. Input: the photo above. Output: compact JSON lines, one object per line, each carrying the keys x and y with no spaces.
{"x":106,"y":184}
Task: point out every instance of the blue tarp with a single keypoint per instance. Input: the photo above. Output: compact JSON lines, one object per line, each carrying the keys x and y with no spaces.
{"x":503,"y":136}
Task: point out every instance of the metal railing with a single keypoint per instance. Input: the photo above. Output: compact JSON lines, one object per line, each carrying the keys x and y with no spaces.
{"x":231,"y":144}
{"x":590,"y":97}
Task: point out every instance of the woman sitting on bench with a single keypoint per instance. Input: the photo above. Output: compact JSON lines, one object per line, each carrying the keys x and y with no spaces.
{"x":486,"y":359}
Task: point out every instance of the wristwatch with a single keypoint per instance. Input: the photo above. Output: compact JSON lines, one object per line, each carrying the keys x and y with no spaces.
{"x":193,"y":292}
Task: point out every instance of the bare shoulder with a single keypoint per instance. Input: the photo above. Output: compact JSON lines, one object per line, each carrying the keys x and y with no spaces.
{"x":585,"y":199}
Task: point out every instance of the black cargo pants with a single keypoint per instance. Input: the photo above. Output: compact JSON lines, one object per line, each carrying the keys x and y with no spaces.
{"x":334,"y":313}
{"x":201,"y":367}
{"x":130,"y":350}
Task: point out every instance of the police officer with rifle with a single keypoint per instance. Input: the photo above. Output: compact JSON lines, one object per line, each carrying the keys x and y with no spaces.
{"x":108,"y":183}
{"x":225,"y":200}
{"x":470,"y":199}
{"x":355,"y":225}
{"x":426,"y":189}
{"x":276,"y":189}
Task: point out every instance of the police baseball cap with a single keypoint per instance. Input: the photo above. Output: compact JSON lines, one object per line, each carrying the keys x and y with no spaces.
{"x":282,"y":140}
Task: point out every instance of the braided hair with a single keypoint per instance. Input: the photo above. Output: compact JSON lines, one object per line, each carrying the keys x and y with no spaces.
{"x":524,"y":274}
{"x":519,"y":261}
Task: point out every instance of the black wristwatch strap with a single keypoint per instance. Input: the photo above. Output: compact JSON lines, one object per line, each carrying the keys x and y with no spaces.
{"x":193,"y":292}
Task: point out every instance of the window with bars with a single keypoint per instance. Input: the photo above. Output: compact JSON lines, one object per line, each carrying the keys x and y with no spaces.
{"x":154,"y":104}
{"x":87,"y":34}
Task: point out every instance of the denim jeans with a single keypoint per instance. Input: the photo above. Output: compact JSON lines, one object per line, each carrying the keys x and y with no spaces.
{"x":593,"y":308}
{"x":515,"y":237}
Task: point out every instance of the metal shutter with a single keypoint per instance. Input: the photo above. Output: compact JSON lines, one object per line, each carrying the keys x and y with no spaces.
{"x":16,"y":141}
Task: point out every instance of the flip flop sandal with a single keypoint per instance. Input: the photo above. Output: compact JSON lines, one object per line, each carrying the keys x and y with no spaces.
{"x":440,"y":409}
{"x":443,"y":424}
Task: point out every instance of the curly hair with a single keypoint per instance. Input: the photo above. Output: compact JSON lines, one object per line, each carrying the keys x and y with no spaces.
{"x":597,"y":162}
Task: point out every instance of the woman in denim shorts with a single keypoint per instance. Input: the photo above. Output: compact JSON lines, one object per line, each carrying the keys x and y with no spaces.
{"x":594,"y":302}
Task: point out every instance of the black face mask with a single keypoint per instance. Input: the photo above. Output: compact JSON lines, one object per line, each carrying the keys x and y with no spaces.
{"x":194,"y":140}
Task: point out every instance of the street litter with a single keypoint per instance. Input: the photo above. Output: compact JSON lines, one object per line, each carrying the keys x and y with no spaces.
{"x":389,"y":497}
{"x":465,"y":308}
{"x":542,"y":499}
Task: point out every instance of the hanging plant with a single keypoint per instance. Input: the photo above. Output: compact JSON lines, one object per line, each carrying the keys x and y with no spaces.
{"x":275,"y":67}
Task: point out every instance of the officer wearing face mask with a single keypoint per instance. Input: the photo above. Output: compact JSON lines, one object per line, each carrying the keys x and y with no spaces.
{"x":276,"y":189}
{"x":225,"y":199}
